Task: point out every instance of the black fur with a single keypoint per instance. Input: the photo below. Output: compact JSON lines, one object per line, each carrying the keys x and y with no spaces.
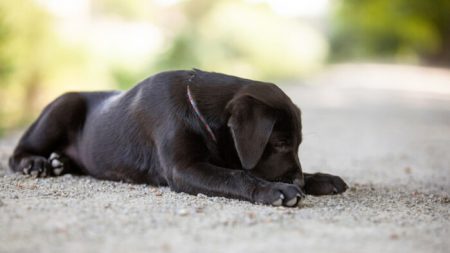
{"x":151,"y":134}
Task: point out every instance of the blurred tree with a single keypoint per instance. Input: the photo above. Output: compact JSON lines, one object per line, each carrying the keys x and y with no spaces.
{"x":184,"y":51}
{"x":415,"y":30}
{"x":127,"y":10}
{"x":238,"y":37}
{"x":243,"y":38}
{"x":89,"y":47}
{"x":25,"y":54}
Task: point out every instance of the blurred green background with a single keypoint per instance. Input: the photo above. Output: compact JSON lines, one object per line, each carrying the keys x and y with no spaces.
{"x":51,"y":46}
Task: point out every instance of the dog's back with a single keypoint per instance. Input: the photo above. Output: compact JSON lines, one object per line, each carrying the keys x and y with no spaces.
{"x":195,"y":131}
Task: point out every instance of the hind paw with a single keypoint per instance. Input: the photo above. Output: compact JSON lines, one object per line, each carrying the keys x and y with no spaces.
{"x":56,"y":163}
{"x":35,"y":166}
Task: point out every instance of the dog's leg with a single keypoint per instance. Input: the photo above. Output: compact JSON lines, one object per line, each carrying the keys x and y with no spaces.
{"x":51,"y":132}
{"x":187,"y":170}
{"x":212,"y":180}
{"x":323,"y":184}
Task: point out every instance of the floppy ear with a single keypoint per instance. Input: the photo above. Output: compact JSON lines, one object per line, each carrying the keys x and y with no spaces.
{"x":251,"y":124}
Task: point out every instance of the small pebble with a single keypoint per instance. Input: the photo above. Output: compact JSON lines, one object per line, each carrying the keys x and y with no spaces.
{"x":445,"y":200}
{"x":407,"y":170}
{"x":183,"y":212}
{"x":393,"y":237}
{"x":200,"y":195}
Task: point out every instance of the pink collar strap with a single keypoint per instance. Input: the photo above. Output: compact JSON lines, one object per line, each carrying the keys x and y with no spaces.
{"x":199,"y":115}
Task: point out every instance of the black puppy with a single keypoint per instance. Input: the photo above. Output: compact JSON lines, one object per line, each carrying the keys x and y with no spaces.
{"x":195,"y":131}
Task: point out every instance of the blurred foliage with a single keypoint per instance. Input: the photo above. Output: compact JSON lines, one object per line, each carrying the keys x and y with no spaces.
{"x":230,"y":36}
{"x":48,"y":46}
{"x":31,"y":60}
{"x":25,"y":55}
{"x":404,"y":30}
{"x":244,"y":39}
{"x":129,"y":10}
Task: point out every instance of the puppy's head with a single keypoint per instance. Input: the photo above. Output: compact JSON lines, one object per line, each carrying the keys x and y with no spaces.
{"x":266,"y":130}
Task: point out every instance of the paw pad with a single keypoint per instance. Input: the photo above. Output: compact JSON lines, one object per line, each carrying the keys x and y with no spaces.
{"x":279,"y":201}
{"x":285,"y":195}
{"x":56,"y":164}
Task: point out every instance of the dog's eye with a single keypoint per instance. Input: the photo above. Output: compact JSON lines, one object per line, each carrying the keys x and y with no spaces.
{"x":281,"y":144}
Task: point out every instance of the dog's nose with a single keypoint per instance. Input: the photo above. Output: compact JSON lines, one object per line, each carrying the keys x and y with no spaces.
{"x":299,"y":180}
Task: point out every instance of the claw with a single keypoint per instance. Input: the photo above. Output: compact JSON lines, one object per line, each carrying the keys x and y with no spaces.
{"x":292,"y":202}
{"x":53,"y":156}
{"x":26,"y":170}
{"x":277,"y":202}
{"x":34,"y":173}
{"x":58,"y":171}
{"x":56,"y":163}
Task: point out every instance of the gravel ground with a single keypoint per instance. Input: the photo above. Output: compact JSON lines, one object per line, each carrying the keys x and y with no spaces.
{"x":390,"y":144}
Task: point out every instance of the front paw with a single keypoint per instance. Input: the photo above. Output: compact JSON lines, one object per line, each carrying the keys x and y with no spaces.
{"x":278,"y":194}
{"x":324,"y":184}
